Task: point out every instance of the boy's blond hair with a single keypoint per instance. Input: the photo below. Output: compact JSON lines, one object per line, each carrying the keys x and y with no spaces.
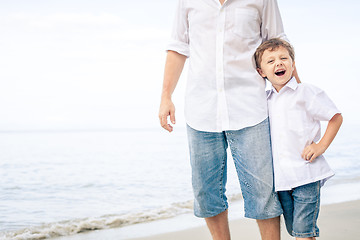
{"x":271,"y":45}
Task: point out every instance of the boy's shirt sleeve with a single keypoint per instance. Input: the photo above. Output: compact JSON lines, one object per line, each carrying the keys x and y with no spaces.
{"x":179,"y":41}
{"x":321,"y":107}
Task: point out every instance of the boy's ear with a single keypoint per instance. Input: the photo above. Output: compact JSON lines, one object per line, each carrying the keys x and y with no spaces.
{"x":260,"y":72}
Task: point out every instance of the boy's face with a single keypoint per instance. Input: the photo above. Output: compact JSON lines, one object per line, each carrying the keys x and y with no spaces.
{"x":277,"y":66}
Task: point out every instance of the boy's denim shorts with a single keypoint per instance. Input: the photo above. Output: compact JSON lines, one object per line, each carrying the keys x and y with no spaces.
{"x":251,"y":151}
{"x":301,"y":210}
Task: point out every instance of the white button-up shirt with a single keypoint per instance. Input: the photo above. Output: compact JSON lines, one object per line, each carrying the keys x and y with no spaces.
{"x":224,"y":91}
{"x":295,"y":113}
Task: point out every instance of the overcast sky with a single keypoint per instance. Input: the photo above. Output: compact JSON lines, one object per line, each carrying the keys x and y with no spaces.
{"x":99,"y":64}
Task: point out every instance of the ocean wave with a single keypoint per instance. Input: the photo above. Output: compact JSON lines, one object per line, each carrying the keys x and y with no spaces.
{"x":71,"y":227}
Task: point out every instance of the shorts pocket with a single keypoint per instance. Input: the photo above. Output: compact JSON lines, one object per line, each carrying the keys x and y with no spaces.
{"x":247,"y":23}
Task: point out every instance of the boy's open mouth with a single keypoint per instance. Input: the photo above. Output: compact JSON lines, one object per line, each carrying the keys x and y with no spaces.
{"x":280,"y":72}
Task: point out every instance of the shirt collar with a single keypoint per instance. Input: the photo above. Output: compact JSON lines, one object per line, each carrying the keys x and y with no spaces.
{"x":292,"y":84}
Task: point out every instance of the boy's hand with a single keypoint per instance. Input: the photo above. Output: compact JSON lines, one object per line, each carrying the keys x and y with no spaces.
{"x":313,"y":151}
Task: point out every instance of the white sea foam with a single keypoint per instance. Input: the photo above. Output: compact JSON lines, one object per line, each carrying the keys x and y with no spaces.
{"x":71,"y":227}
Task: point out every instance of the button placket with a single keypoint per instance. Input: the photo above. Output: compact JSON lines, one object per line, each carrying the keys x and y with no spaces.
{"x":223,"y":118}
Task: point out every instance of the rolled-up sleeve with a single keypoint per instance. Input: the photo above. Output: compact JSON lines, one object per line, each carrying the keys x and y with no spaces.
{"x":179,"y":41}
{"x":272,"y":26}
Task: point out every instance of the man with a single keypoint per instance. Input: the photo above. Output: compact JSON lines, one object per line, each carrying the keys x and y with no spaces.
{"x":225,"y":105}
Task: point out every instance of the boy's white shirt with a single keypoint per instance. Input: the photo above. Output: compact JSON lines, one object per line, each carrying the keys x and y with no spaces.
{"x":295,"y":113}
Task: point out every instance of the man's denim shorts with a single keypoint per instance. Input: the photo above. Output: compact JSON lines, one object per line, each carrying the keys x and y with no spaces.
{"x":251,"y":151}
{"x":301,"y":210}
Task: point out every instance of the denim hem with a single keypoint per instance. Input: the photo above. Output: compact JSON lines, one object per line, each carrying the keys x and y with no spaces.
{"x":209,"y":214}
{"x":263,"y":217}
{"x":305,"y":235}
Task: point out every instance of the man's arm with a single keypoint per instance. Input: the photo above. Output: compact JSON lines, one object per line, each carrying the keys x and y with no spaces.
{"x":315,"y":149}
{"x":272,"y":25}
{"x":295,"y":74}
{"x":173,"y":68}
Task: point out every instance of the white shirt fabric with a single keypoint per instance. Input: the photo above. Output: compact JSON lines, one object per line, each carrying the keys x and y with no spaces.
{"x":224,"y":91}
{"x":295,"y":113}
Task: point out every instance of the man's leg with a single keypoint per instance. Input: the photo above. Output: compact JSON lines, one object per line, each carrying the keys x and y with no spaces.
{"x":269,"y":228}
{"x":251,"y":151}
{"x":208,"y":159}
{"x":219,"y":226}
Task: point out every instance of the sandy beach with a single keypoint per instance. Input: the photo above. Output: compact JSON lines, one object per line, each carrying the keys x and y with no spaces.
{"x":336,"y":222}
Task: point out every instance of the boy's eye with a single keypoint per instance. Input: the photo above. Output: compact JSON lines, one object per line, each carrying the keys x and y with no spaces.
{"x":284,"y":58}
{"x":270,"y":61}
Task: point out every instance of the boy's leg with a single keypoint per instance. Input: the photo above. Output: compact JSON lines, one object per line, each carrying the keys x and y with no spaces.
{"x":287,"y":204}
{"x":251,"y":151}
{"x":209,"y":163}
{"x":306,"y":210}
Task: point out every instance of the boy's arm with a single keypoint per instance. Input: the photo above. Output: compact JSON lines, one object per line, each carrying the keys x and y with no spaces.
{"x":173,"y":68}
{"x":315,"y":149}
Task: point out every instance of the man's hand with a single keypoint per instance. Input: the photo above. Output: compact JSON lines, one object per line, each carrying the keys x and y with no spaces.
{"x":167,"y":108}
{"x":313,"y":151}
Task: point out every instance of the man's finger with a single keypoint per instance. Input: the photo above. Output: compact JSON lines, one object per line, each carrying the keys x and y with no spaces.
{"x":172,"y":116}
{"x":164,"y":123}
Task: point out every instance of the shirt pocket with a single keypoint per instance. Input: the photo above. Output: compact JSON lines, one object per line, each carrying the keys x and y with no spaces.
{"x":296,"y":121}
{"x":247,"y":23}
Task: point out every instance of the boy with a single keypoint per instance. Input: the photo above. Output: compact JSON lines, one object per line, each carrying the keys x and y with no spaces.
{"x":295,"y":112}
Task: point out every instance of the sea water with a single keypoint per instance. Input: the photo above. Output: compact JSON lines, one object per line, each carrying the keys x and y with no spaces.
{"x":58,"y":183}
